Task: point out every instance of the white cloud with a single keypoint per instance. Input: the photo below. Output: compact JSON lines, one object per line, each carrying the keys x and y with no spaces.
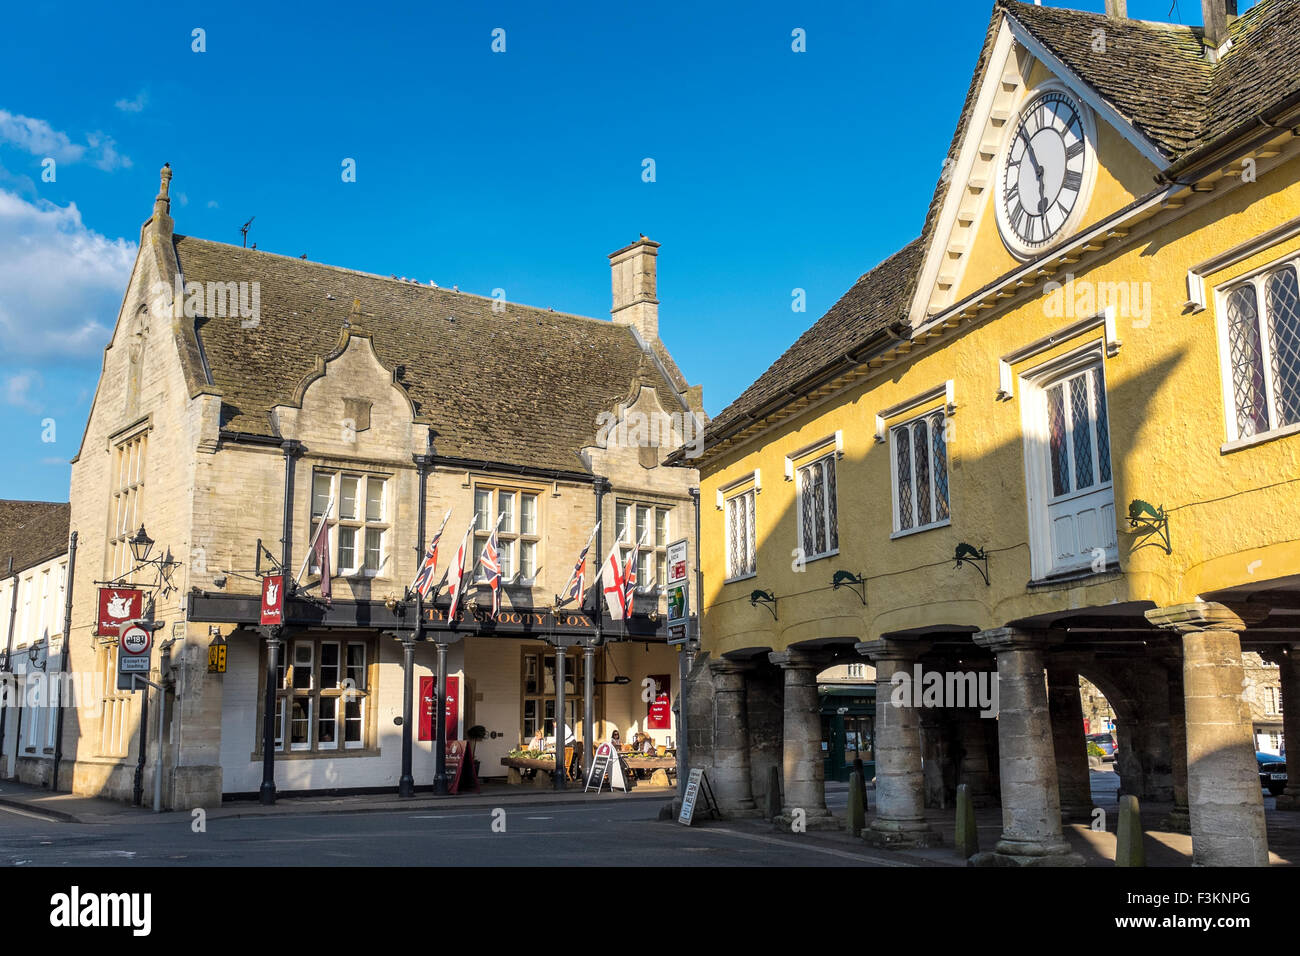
{"x":39,"y":138}
{"x":135,"y":105}
{"x":212,"y":204}
{"x":17,"y":389}
{"x":63,"y":282}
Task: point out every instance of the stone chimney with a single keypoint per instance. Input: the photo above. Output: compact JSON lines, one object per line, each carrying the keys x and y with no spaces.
{"x":1117,"y":9}
{"x":632,"y":274}
{"x":1217,"y":15}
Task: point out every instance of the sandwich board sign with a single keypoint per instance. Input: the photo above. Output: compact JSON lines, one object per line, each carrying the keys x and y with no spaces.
{"x":695,"y":783}
{"x":607,"y":764}
{"x":599,"y":767}
{"x":134,"y":657}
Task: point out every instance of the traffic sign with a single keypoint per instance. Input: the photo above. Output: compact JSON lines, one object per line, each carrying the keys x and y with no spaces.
{"x":134,"y":647}
{"x":676,"y":561}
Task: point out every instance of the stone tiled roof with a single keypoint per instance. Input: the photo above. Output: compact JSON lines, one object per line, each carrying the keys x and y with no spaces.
{"x":1153,"y":74}
{"x":32,"y":532}
{"x":875,"y":301}
{"x":520,"y":387}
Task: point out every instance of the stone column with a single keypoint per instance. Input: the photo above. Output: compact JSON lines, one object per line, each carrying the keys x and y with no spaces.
{"x":803,"y":772}
{"x":900,"y":786}
{"x":730,"y":776}
{"x":1065,"y":707}
{"x":1287,"y":659}
{"x":1031,"y":804}
{"x":1223,"y":792}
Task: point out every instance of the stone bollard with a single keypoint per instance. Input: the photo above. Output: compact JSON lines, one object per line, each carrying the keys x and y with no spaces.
{"x":857,"y":817}
{"x":1128,"y":836}
{"x":772,"y":804}
{"x":967,"y":840}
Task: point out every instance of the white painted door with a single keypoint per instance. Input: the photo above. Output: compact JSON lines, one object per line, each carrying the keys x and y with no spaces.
{"x":1081,"y":498}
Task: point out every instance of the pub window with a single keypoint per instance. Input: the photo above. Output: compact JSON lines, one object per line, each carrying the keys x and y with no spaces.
{"x":644,"y":527}
{"x":126,"y":507}
{"x":517,"y":533}
{"x":359,"y":521}
{"x":322,"y":695}
{"x":537,"y":694}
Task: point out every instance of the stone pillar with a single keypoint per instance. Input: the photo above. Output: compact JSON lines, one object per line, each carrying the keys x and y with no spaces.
{"x":1031,"y":804}
{"x":1224,"y":798}
{"x":1287,"y":659}
{"x":900,"y":785}
{"x":730,"y":776}
{"x":934,"y":754}
{"x":803,"y":772}
{"x":1065,"y":707}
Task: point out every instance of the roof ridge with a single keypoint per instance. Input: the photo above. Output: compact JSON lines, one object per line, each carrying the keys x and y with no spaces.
{"x":405,"y":283}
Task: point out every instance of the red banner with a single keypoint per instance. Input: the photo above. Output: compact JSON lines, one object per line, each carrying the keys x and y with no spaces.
{"x":659,"y":715}
{"x":272,"y":599}
{"x":117,"y":605}
{"x":427,"y":704}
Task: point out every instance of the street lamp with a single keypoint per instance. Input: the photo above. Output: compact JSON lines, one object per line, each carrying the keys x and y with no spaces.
{"x":141,"y":544}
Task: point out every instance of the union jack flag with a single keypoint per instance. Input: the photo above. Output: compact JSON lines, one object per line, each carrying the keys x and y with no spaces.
{"x":578,"y":580}
{"x":455,"y":582}
{"x":490,"y":559}
{"x":423,"y":582}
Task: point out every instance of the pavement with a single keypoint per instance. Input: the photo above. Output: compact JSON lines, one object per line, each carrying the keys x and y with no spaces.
{"x":381,"y":823}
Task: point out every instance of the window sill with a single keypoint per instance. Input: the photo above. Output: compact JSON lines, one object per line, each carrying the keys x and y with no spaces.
{"x":316,"y":754}
{"x":744,"y":577}
{"x":1073,"y":579}
{"x":928,"y":527}
{"x":809,"y":558}
{"x":1237,"y":444}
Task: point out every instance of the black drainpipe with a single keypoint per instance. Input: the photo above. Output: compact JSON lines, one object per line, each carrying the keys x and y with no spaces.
{"x":63,"y":658}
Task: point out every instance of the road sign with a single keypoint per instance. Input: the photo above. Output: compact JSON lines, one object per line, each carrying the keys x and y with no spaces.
{"x":678,"y":603}
{"x":677,"y":634}
{"x":677,"y":561}
{"x":134,"y":647}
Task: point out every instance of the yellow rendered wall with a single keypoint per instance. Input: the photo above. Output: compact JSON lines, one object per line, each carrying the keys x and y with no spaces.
{"x":1234,"y":515}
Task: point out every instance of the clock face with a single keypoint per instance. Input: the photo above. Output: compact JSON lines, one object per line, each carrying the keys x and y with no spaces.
{"x":1042,"y":178}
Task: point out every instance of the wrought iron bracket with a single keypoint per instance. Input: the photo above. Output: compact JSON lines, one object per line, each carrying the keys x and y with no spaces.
{"x":1147,"y":523}
{"x":854,"y":582}
{"x":976,"y":557}
{"x":766,"y":598}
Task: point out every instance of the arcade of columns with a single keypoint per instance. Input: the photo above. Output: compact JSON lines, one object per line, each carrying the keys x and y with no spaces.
{"x":1184,"y":733}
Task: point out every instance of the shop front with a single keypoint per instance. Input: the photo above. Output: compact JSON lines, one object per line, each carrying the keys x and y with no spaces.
{"x":848,"y":729}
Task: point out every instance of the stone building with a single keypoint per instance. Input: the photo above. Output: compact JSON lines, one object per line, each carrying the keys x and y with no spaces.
{"x":34,"y":556}
{"x":1056,"y":435}
{"x":246,"y":396}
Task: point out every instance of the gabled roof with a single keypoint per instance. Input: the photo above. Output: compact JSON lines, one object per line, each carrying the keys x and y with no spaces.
{"x":1153,"y":75}
{"x":523,"y":386}
{"x":32,"y":532}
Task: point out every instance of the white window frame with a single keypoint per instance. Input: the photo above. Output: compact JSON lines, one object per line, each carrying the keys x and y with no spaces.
{"x":126,"y":507}
{"x":655,"y":552}
{"x":1256,"y":278}
{"x":1033,"y":422}
{"x":359,"y":525}
{"x":285,"y":694}
{"x":899,"y":531}
{"x":509,"y":541}
{"x":749,"y":495}
{"x":828,"y":459}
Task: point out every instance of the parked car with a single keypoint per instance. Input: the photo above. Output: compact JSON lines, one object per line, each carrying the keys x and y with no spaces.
{"x":1107,"y":744}
{"x":1272,"y":772}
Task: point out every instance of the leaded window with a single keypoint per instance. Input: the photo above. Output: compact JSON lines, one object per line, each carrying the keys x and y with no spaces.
{"x":818,"y":521}
{"x":920,"y":468}
{"x":1263,"y":338}
{"x":742,"y":559}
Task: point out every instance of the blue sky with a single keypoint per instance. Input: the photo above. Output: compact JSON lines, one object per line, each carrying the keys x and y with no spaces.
{"x":774,"y":170}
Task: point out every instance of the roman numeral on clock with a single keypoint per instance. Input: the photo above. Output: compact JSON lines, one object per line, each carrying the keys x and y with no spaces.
{"x":1072,"y":181}
{"x":1074,"y":150}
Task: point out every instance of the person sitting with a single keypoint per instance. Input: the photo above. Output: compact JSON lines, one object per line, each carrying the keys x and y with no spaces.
{"x":647,"y":745}
{"x":538,"y":742}
{"x":615,"y":742}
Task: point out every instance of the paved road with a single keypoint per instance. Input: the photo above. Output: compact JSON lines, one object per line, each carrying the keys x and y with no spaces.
{"x":605,"y":834}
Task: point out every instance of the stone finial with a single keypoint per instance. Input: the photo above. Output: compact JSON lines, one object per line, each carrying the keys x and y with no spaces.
{"x":354,"y":316}
{"x":162,"y":203}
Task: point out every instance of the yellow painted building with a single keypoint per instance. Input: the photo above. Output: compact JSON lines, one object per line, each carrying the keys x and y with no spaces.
{"x":1099,"y":322}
